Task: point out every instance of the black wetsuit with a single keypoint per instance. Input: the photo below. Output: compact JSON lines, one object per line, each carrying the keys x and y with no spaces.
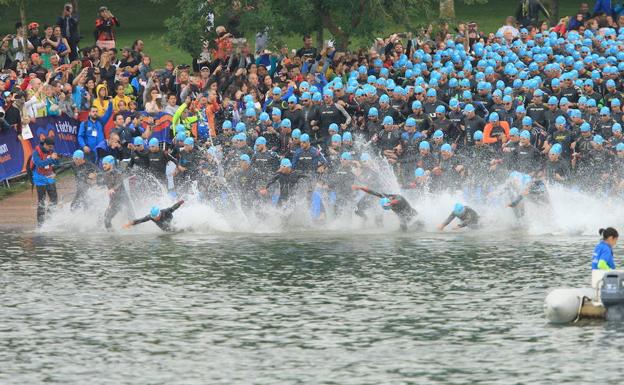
{"x":164,"y":220}
{"x":287,"y":183}
{"x":469,"y":218}
{"x":399,"y":205}
{"x":113,"y":180}
{"x":82,"y":173}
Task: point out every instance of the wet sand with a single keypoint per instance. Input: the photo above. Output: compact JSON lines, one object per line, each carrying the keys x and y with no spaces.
{"x":19,"y":211}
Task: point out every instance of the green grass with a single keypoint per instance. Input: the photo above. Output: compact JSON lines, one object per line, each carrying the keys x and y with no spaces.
{"x":17,"y":187}
{"x":22,"y":184}
{"x":141,"y":19}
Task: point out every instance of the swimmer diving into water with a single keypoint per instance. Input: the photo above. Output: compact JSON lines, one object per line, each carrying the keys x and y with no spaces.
{"x":162,"y":218}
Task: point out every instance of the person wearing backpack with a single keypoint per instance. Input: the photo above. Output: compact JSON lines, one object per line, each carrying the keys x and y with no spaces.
{"x":42,"y":164}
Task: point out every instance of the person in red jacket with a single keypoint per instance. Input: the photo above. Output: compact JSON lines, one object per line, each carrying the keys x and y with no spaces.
{"x":104,"y":34}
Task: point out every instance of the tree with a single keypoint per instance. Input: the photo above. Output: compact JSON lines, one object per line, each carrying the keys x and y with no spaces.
{"x":447,"y":9}
{"x":341,"y":18}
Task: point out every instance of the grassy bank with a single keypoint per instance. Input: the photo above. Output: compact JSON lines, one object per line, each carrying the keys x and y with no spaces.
{"x":141,"y":19}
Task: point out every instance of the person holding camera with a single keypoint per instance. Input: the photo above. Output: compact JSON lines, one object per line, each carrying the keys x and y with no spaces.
{"x":104,"y":33}
{"x":20,"y":43}
{"x":68,"y":22}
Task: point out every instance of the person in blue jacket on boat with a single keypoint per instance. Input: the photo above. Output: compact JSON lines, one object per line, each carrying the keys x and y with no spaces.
{"x":602,"y":259}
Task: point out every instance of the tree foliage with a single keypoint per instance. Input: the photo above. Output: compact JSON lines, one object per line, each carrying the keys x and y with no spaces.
{"x":343,"y":19}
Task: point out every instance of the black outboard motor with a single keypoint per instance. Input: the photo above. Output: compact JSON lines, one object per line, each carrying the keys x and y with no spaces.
{"x":612,"y":295}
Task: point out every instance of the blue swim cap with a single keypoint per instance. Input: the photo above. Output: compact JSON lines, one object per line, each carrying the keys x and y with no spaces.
{"x":189,"y":142}
{"x":560,"y":120}
{"x":605,"y":111}
{"x":154,"y":212}
{"x":387,"y":120}
{"x":264,"y":117}
{"x":292,"y":99}
{"x":619,"y":147}
{"x":416,"y":105}
{"x":410,"y":122}
{"x":525,"y":134}
{"x":245,"y":158}
{"x":286,"y":163}
{"x":305,"y":138}
{"x":419,"y":172}
{"x":240,"y":127}
{"x":336,"y":138}
{"x":478,"y":135}
{"x":365,"y":156}
{"x":316,"y":97}
{"x":446,"y":148}
{"x":585,"y":127}
{"x":296,"y":134}
{"x":346,"y":156}
{"x":138,"y":141}
{"x":78,"y":154}
{"x":555,"y":149}
{"x":277,"y":91}
{"x":438,"y":134}
{"x":384,"y":99}
{"x":108,"y":159}
{"x":385,"y":203}
{"x":514,"y":131}
{"x":373,"y":112}
{"x":250,"y":112}
{"x":617,"y":127}
{"x":227,"y":124}
{"x":527,"y":121}
{"x":469,"y":108}
{"x":181,"y":134}
{"x":153,"y":142}
{"x":347,"y":137}
{"x":333,"y":127}
{"x":276,"y":111}
{"x":440,"y":109}
{"x":424,"y":146}
{"x":286,"y":123}
{"x":494,"y":117}
{"x":598,"y":139}
{"x":260,"y":140}
{"x":458,"y":209}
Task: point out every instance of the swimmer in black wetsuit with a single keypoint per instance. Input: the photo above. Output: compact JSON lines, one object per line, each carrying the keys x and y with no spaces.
{"x":467,"y":216}
{"x":395,"y":202}
{"x":533,"y":189}
{"x":162,"y":218}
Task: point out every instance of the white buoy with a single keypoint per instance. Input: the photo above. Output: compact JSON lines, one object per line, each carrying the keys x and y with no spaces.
{"x":564,"y":305}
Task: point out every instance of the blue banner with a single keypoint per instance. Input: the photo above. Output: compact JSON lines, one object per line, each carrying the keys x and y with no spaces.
{"x":11,"y":155}
{"x":14,"y":152}
{"x":62,"y":128}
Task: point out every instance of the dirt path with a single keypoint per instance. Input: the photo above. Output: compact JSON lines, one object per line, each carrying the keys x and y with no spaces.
{"x":19,"y":210}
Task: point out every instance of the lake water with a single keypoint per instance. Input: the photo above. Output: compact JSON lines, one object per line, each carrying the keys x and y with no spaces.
{"x":305,"y":307}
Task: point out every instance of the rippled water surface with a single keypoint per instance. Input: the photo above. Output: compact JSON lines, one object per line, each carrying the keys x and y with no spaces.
{"x":299,"y":308}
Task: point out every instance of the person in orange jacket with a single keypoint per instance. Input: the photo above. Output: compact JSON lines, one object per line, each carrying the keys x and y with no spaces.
{"x":496,"y":131}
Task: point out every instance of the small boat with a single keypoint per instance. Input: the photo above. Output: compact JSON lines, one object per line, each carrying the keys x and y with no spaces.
{"x":566,"y":305}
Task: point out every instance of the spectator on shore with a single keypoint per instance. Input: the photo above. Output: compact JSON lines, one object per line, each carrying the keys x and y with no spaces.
{"x":509,"y":27}
{"x":104,"y":28}
{"x":68,"y":22}
{"x":528,"y":12}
